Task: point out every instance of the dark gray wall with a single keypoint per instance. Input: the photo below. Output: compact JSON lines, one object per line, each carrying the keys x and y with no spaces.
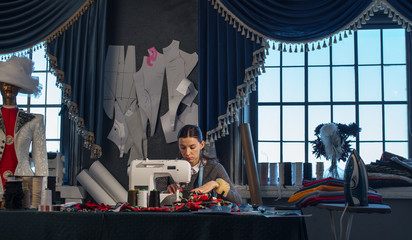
{"x":158,"y":22}
{"x":145,"y":24}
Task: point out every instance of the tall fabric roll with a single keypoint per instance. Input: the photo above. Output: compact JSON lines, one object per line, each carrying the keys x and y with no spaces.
{"x":108,"y":182}
{"x":94,"y":189}
{"x":250,"y":164}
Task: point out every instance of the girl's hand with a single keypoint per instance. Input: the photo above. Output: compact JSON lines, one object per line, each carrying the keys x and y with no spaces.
{"x":207,"y":187}
{"x":172,"y":188}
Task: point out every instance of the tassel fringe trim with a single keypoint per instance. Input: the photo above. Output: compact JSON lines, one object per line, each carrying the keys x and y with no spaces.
{"x":258,"y":64}
{"x":88,"y":137}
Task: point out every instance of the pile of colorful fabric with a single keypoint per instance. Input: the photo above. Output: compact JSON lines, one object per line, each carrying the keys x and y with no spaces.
{"x":390,"y":171}
{"x":328,"y":190}
{"x":193,"y":202}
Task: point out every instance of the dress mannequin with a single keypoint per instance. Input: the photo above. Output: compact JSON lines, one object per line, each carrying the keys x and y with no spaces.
{"x":19,"y":129}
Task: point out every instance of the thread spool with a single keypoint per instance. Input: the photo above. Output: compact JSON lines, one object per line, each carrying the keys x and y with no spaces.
{"x":13,"y":195}
{"x":154,"y":198}
{"x":132,"y":197}
{"x":319,"y":170}
{"x":36,"y":189}
{"x":45,"y":200}
{"x":273,"y":179}
{"x":142,"y":198}
{"x":26,"y":198}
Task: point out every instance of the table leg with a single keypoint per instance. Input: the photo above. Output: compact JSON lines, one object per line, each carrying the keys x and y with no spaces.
{"x":332,"y":226}
{"x":349,"y":226}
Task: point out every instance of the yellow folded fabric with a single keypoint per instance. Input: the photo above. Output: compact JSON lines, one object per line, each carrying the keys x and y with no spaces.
{"x":223,"y":188}
{"x":295,"y":197}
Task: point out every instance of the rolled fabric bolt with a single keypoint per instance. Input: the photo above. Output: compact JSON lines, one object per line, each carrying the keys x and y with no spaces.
{"x":288,"y":173}
{"x":273,"y":176}
{"x":298,"y":173}
{"x":319,"y":170}
{"x":263,"y":173}
{"x":281,"y":174}
{"x":307,"y":171}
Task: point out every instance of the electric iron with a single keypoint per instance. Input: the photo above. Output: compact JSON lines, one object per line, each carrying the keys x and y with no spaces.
{"x":356,"y":181}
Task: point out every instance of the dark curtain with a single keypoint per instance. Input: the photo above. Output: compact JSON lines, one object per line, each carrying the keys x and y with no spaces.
{"x":79,"y":60}
{"x":24,"y":24}
{"x":224,"y":54}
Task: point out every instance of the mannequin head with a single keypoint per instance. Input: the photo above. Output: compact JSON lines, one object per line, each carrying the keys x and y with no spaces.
{"x":9,"y":93}
{"x":16,"y":76}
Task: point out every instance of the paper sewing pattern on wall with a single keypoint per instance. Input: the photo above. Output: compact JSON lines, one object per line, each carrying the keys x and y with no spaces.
{"x":133,"y":97}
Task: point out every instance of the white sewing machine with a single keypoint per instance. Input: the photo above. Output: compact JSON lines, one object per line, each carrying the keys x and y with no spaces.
{"x":143,"y":173}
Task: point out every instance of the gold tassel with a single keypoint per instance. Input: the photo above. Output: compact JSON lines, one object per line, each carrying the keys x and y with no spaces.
{"x":340,"y":37}
{"x":324,"y":44}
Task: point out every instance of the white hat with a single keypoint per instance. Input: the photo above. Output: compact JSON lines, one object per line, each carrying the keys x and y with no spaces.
{"x":17,"y":71}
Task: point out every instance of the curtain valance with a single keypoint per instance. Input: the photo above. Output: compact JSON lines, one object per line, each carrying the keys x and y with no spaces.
{"x":25,"y":24}
{"x":291,"y":26}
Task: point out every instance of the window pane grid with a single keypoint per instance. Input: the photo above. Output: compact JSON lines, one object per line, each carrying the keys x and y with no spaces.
{"x":358,"y":84}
